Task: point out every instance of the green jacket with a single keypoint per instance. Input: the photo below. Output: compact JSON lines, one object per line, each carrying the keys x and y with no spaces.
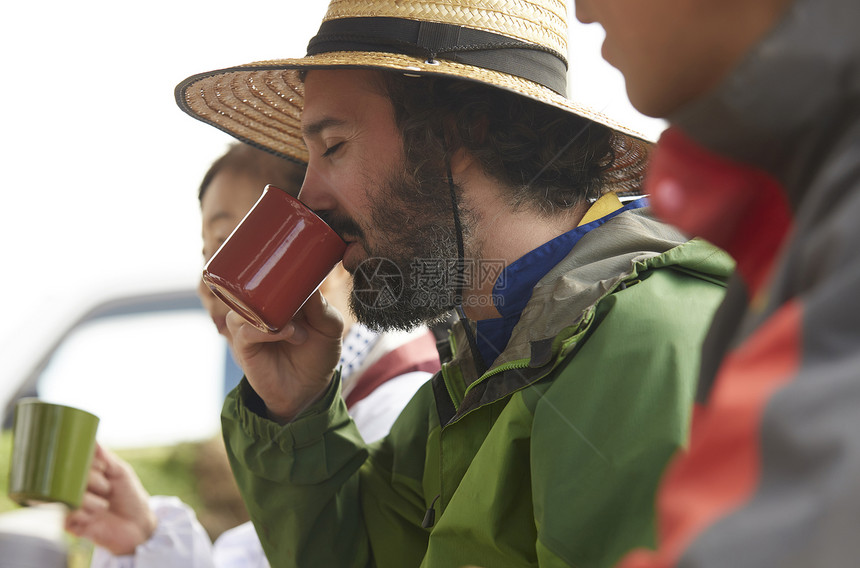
{"x":551,"y":458}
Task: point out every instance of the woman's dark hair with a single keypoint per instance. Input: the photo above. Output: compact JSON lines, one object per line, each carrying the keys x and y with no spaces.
{"x":244,"y":158}
{"x":548,"y":158}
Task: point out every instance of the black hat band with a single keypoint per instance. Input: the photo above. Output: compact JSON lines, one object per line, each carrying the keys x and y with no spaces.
{"x":455,"y":43}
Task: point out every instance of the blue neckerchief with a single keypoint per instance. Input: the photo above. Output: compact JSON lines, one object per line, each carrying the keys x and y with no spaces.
{"x":513,"y":288}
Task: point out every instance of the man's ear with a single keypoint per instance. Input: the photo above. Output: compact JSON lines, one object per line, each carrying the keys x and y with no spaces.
{"x":462,"y":159}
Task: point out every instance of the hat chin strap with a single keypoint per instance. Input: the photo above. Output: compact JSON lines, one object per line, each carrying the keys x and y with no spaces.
{"x":480,"y":365}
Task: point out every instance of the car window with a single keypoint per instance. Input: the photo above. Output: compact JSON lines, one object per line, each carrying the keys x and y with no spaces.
{"x":152,"y":378}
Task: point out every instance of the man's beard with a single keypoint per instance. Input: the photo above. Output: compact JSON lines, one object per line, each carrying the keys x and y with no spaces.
{"x":410,"y":275}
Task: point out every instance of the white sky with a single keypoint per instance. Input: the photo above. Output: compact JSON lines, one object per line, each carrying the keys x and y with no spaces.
{"x":100,"y":168}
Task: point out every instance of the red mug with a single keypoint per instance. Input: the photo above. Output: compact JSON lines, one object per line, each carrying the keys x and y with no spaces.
{"x":274,"y":260}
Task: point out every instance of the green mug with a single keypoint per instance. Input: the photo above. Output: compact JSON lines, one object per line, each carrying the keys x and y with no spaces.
{"x":52,"y":449}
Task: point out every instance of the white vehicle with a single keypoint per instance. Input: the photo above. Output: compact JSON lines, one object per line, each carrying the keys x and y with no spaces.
{"x":151,"y":367}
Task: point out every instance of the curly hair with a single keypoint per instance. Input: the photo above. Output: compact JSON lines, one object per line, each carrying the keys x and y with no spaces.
{"x":547,"y":158}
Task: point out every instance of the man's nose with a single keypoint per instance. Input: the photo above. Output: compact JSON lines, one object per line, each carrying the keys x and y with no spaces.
{"x":316,"y":192}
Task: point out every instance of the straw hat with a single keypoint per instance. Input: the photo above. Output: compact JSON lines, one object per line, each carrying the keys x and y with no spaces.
{"x":517,"y":45}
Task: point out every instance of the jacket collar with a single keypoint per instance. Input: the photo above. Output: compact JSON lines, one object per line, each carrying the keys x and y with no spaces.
{"x":514,"y":286}
{"x":560,"y":304}
{"x":787,"y":97}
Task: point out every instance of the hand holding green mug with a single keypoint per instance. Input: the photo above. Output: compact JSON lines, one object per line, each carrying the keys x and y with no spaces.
{"x":52,"y":447}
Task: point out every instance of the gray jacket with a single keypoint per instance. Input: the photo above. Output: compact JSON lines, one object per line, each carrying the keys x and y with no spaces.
{"x":772,"y":477}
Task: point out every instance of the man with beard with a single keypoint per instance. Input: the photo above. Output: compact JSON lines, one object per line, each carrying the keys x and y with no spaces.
{"x":443,"y":150}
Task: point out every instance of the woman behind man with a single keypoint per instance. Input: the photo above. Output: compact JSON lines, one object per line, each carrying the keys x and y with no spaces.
{"x":380,"y":373}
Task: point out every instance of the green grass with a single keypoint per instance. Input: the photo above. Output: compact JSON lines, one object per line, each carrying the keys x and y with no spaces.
{"x":6,"y":504}
{"x":163,"y":471}
{"x":197,"y":473}
{"x":167,"y":471}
